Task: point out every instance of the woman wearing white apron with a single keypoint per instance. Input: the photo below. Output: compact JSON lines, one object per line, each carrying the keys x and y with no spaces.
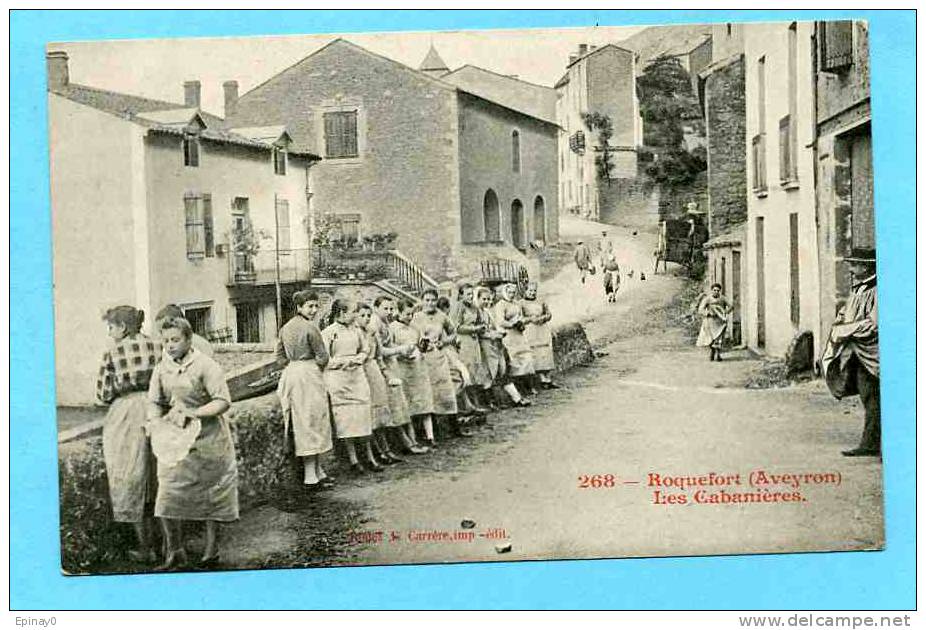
{"x":307,"y":421}
{"x":348,"y":388}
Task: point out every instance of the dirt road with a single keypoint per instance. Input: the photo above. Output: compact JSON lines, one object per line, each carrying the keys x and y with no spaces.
{"x":652,"y":406}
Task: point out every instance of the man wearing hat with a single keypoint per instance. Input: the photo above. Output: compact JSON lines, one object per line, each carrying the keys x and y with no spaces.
{"x":850,"y":361}
{"x":583,"y":258}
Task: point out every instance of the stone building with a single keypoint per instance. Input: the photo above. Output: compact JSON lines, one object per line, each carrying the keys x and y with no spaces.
{"x":598,"y":80}
{"x":156,"y":202}
{"x":782,"y":272}
{"x":845,"y":200}
{"x":461,"y":165}
{"x":723,"y":99}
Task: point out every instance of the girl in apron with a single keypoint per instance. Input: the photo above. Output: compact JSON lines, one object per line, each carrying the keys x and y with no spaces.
{"x":538,"y":334}
{"x":414,"y":373}
{"x":348,"y":389}
{"x":510,"y":317}
{"x":197,"y":467}
{"x":379,"y":390}
{"x":437,"y":331}
{"x":303,"y":398}
{"x":124,"y":375}
{"x":494,"y":355}
{"x":401,"y":428}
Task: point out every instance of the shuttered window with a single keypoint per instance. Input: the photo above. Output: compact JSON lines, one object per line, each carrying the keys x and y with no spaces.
{"x":515,"y":152}
{"x":341,"y":134}
{"x":835,"y":45}
{"x":759,"y":182}
{"x":787,"y":155}
{"x":284,"y":244}
{"x":195,"y":237}
{"x":208,"y":226}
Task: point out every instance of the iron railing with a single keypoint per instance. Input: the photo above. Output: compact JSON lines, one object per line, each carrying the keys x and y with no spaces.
{"x":261,"y":268}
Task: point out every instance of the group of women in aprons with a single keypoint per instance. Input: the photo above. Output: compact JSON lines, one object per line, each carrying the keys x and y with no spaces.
{"x":393,"y":378}
{"x":388,"y":379}
{"x":168,"y":450}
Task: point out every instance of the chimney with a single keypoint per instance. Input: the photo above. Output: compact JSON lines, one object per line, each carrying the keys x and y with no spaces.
{"x":231,"y":97}
{"x":56,"y":62}
{"x":583,"y":48}
{"x":191,"y":93}
{"x":572,"y":59}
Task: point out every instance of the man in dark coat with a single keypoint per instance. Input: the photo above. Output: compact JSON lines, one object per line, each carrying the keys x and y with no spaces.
{"x":850,"y":362}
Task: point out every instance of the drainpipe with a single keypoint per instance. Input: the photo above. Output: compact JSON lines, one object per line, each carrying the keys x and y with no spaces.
{"x":814,"y":74}
{"x":276,"y":251}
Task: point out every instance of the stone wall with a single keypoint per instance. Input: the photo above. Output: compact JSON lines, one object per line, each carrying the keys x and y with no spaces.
{"x":673,"y":200}
{"x":725,"y":98}
{"x":406,"y":176}
{"x":629,"y":202}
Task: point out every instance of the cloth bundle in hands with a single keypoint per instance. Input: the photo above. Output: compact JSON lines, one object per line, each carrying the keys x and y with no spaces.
{"x":172,"y":435}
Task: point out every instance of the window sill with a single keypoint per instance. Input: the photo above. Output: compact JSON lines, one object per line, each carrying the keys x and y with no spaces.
{"x":792,"y":184}
{"x":356,"y":159}
{"x":760,"y":192}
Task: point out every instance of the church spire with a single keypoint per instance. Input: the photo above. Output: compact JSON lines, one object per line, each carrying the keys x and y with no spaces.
{"x":433,"y":64}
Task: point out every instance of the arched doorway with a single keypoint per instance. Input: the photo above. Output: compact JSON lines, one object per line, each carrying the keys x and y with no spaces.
{"x":490,"y":216}
{"x":540,"y":225}
{"x":517,"y":224}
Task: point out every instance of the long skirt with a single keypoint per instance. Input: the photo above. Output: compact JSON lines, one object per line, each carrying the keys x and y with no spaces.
{"x":445,"y":393}
{"x":493,"y":354}
{"x":417,"y":386}
{"x":379,"y":395}
{"x":519,"y":354}
{"x":398,"y":403}
{"x":128,"y":458}
{"x":540,"y":339}
{"x":471,"y":355}
{"x":350,"y":402}
{"x":305,"y":407}
{"x":712,"y":331}
{"x":203,"y":486}
{"x":458,"y":372}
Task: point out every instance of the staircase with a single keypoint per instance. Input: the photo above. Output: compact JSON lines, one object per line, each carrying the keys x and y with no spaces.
{"x":390,"y":269}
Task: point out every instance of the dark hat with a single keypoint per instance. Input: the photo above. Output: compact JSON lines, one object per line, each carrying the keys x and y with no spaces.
{"x":861,"y":255}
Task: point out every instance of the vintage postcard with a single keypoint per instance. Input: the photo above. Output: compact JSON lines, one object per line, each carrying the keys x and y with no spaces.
{"x":396,"y":298}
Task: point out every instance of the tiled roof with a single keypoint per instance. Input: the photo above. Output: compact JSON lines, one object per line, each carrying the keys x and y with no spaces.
{"x":536,"y":101}
{"x":162,"y":116}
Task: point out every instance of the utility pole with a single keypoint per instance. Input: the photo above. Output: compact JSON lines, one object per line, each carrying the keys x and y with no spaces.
{"x":276,"y":251}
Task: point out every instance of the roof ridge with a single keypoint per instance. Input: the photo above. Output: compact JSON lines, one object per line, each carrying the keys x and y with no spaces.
{"x":358,"y":47}
{"x":91,"y":88}
{"x":499,"y":74}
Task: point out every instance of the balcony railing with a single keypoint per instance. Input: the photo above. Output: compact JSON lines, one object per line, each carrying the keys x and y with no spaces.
{"x":247,"y":269}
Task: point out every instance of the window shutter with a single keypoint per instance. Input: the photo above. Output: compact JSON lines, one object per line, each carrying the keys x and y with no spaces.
{"x":836,"y":45}
{"x":784,"y":149}
{"x":208,"y":226}
{"x":341,"y":134}
{"x":194,"y":226}
{"x":284,"y":243}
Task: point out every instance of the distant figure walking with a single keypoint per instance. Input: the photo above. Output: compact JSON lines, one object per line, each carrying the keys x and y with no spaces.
{"x":713,"y":308}
{"x":611,"y":274}
{"x":583,"y":258}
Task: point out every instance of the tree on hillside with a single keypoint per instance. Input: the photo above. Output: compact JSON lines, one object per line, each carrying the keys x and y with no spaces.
{"x":667,"y":106}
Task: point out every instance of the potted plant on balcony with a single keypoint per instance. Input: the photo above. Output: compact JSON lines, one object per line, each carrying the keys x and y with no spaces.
{"x":245,"y":244}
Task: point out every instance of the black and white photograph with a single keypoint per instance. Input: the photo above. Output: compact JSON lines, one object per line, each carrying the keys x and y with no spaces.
{"x":464,"y":296}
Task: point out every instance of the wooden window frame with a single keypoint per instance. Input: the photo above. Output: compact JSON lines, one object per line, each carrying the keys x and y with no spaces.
{"x":279,"y":156}
{"x":347,"y":150}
